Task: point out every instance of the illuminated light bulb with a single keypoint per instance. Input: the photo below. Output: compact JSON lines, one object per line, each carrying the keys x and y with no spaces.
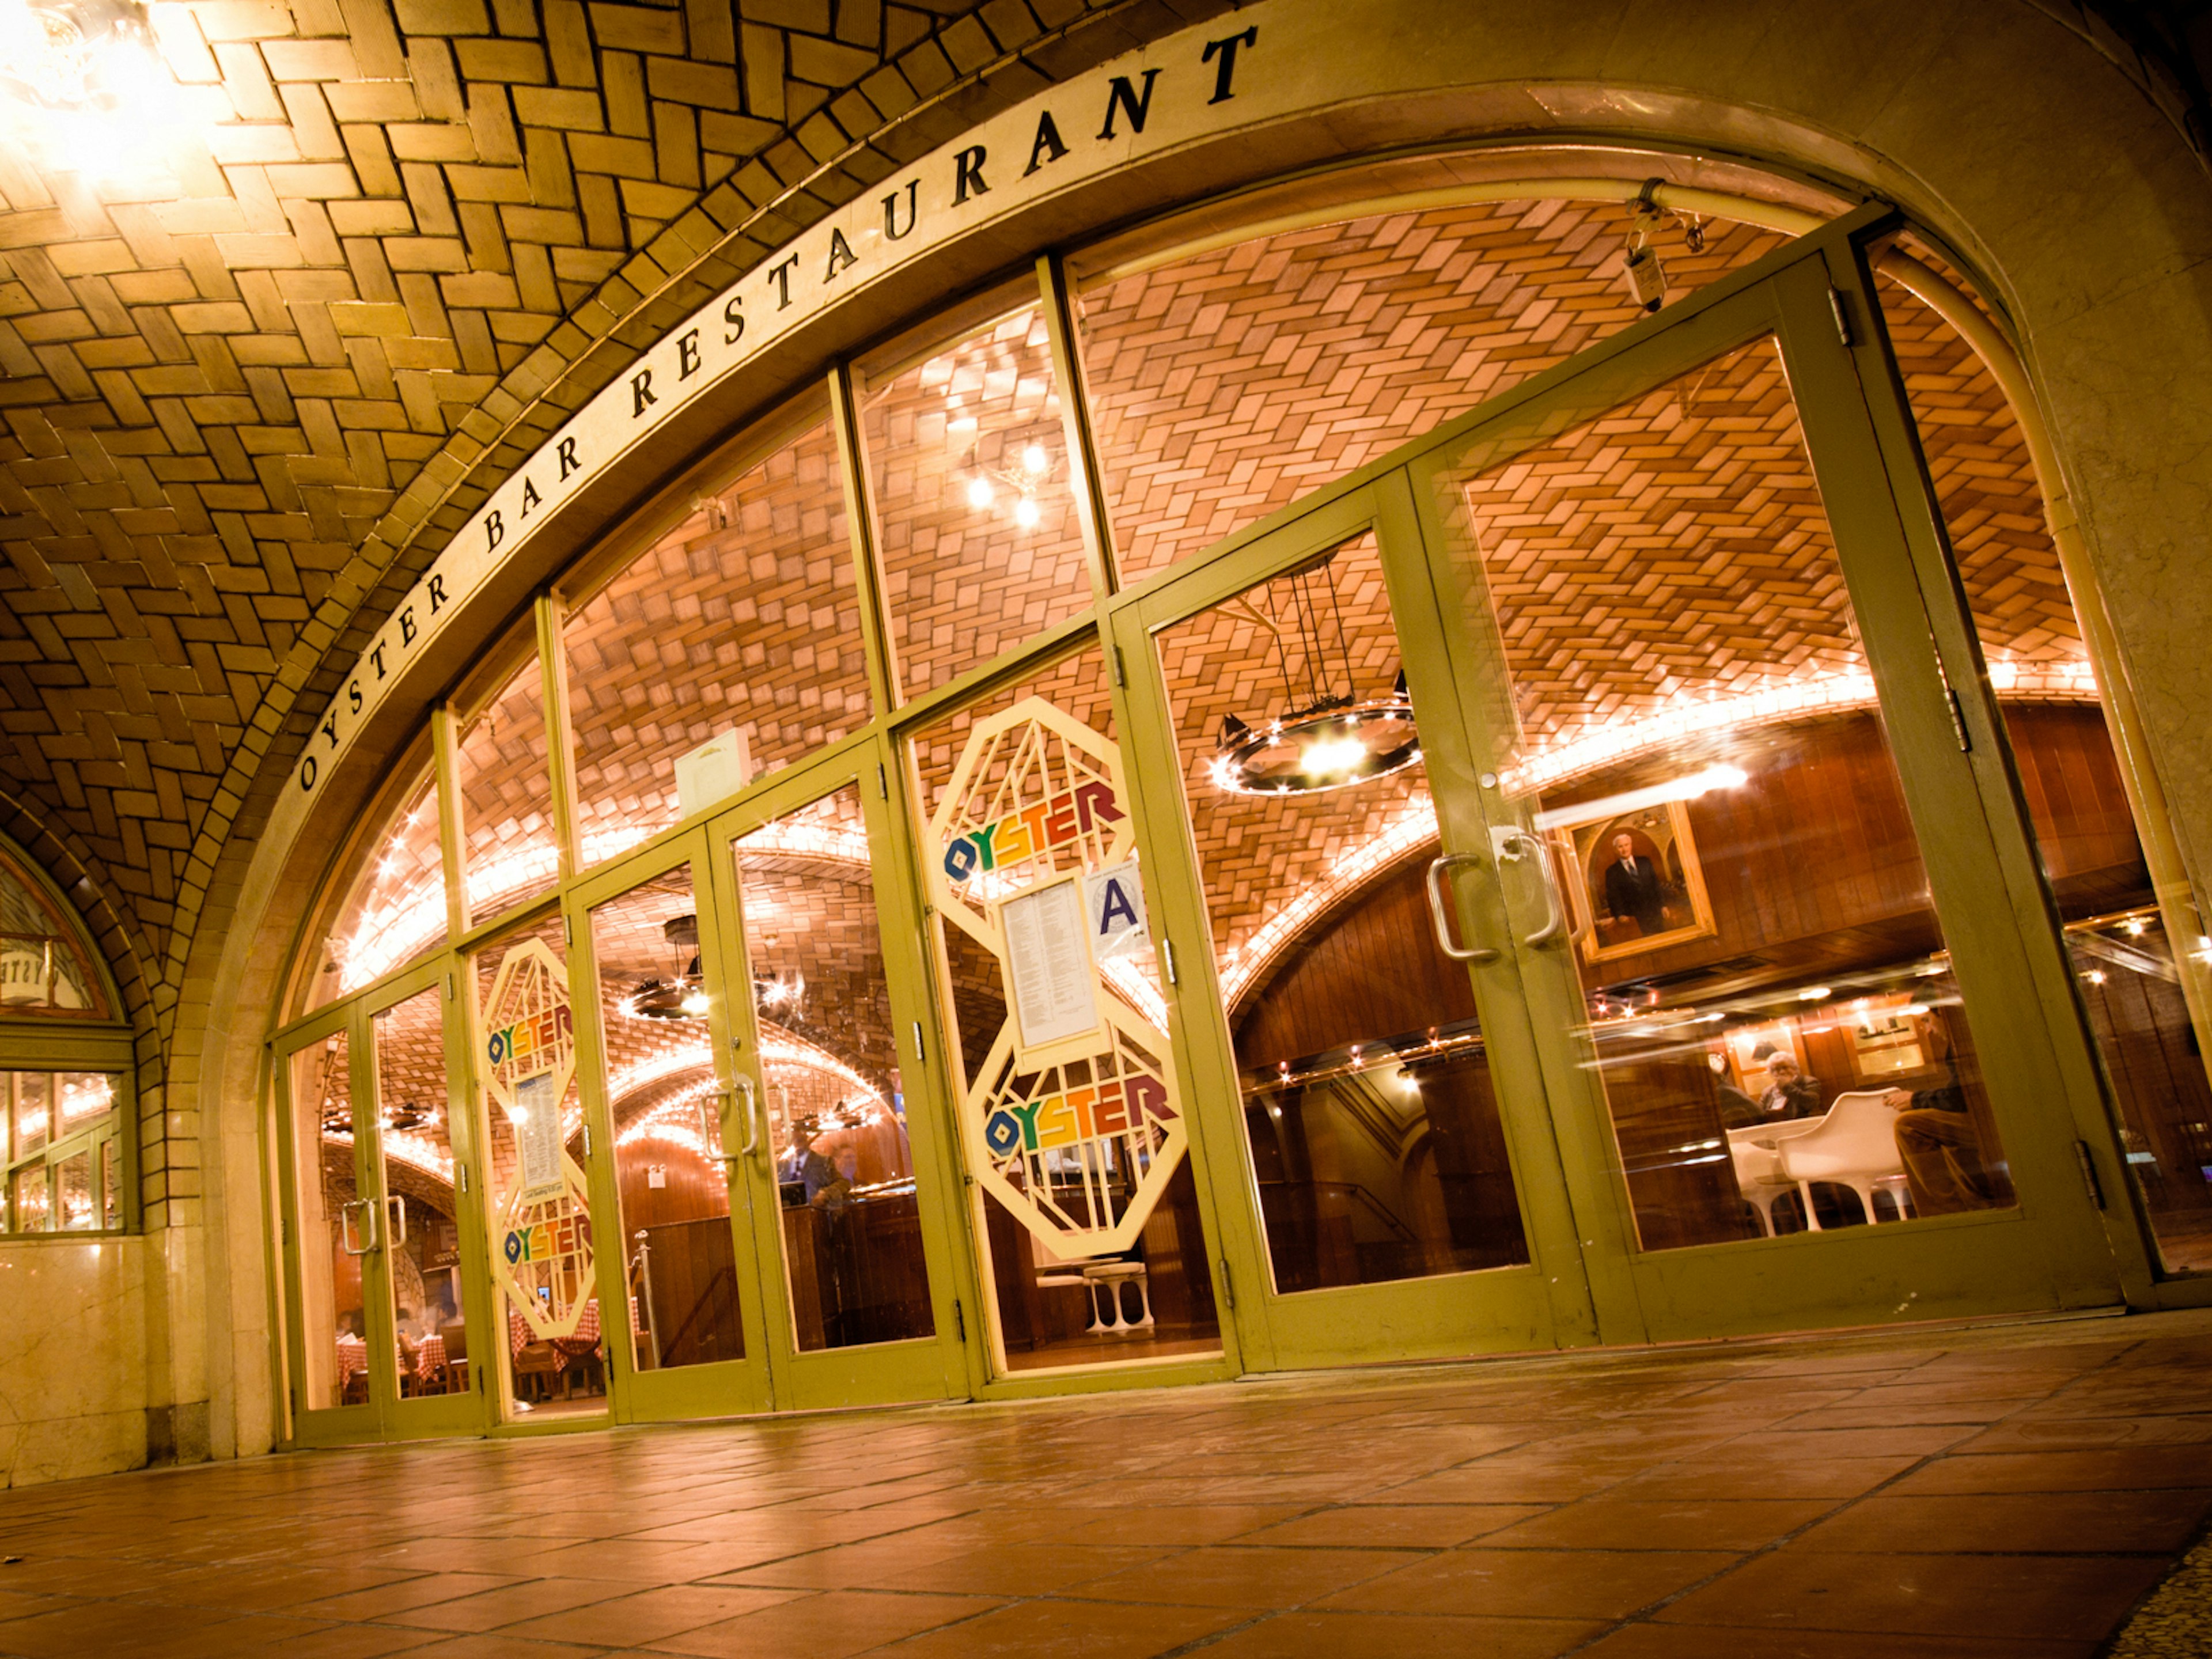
{"x":2095,"y":976}
{"x":1814,"y":993}
{"x":1331,"y":755}
{"x":1026,"y":513}
{"x":979,"y":493}
{"x":2134,"y":926}
{"x":1034,"y":459}
{"x":695,"y":1003}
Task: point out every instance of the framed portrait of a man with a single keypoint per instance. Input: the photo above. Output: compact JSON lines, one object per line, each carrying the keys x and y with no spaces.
{"x":1633,"y":880}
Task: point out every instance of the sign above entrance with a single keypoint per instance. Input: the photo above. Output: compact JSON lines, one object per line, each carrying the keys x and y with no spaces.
{"x":1072,"y":1121}
{"x":1203,"y":82}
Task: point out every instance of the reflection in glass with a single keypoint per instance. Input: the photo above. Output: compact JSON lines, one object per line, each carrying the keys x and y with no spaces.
{"x":745,"y":618}
{"x":2136,"y":987}
{"x":977,"y":530}
{"x":538,"y":1208}
{"x":423,"y":1236}
{"x":332,"y":1225}
{"x":836,"y":1112}
{"x":509,"y":848}
{"x":1776,"y":1027}
{"x":396,"y":908}
{"x":31,"y":1100}
{"x":75,"y":1210}
{"x":1156,"y":1298}
{"x":1368,"y":1108}
{"x":31,"y":1209}
{"x":1225,"y":385}
{"x":43,"y":968}
{"x":661,"y":1093}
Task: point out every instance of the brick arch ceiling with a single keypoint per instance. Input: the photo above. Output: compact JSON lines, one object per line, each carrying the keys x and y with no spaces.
{"x":243,"y":413}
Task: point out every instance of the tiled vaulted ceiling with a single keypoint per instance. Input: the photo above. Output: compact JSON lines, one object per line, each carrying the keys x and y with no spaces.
{"x":417,"y":232}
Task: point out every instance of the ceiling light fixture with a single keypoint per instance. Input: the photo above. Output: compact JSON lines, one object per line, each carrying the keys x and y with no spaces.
{"x":1326,"y":737}
{"x":683,"y":994}
{"x":83,"y":85}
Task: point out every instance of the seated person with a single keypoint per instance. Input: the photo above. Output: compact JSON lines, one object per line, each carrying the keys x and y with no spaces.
{"x":1936,"y":1136}
{"x":809,"y":1163}
{"x":1790,"y":1093}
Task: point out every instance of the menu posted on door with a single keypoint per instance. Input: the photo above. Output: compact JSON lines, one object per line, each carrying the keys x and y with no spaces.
{"x":1048,"y":959}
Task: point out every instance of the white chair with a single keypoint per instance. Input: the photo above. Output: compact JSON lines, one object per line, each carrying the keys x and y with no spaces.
{"x":1854,"y":1146}
{"x":1759,"y":1174}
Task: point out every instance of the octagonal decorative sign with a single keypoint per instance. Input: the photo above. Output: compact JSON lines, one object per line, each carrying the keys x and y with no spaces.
{"x":1073,"y":1122}
{"x":542,"y":1221}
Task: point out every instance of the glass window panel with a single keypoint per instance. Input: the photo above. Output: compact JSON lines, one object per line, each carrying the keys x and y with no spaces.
{"x":43,"y":966}
{"x":1368,"y":1107}
{"x":414,"y":1142}
{"x":1225,"y":385}
{"x":542,"y":1251}
{"x":34,"y":1096}
{"x":74,"y":1209}
{"x":1774,"y":1020}
{"x":2120,"y":938}
{"x":110,"y":1182}
{"x":1057,"y":1307}
{"x":511,"y":852}
{"x":31,"y":1200}
{"x":837,"y":1112}
{"x":395,"y":910}
{"x":744,"y":617}
{"x":661,"y":1089}
{"x":981,"y":545}
{"x":333,"y":1337}
{"x":81,"y":1098}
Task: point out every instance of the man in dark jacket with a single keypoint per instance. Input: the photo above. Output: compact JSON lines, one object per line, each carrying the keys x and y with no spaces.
{"x":1634,"y":888}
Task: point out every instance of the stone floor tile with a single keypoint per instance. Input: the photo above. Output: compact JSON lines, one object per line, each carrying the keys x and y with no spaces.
{"x":1393,"y":1636}
{"x":1710,"y":1641}
{"x":2038,"y":1597}
{"x":2066,"y":1523}
{"x":1616,"y":1523}
{"x":633,"y":1619}
{"x":1237,"y":1576}
{"x":832,"y":1626}
{"x":1532,"y":1584}
{"x":510,"y":1604}
{"x":1396,"y":1526}
{"x":1052,"y":1629}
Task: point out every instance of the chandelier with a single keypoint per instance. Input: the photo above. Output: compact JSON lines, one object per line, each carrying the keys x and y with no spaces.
{"x":83,"y":85}
{"x":682,"y":993}
{"x":1326,"y":736}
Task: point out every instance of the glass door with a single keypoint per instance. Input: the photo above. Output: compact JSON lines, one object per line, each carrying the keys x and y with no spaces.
{"x":379,"y":1223}
{"x":673,"y":1188}
{"x":1809,"y":1045}
{"x":1369,"y":1025}
{"x":834,"y":1130}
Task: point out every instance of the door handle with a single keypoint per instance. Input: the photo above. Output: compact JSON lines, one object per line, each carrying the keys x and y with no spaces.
{"x":1439,"y":908}
{"x":346,"y":1234}
{"x":1514,"y":845}
{"x":710,"y":1126}
{"x":751,"y":1097}
{"x":400,"y":1200}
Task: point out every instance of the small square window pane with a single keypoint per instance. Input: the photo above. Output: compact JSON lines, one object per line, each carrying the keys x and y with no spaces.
{"x":74,"y":1209}
{"x":81,"y":1097}
{"x":27,"y":1202}
{"x":33,"y":1093}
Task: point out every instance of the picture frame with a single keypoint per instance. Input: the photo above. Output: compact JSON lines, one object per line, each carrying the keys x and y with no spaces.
{"x":1661,"y":903}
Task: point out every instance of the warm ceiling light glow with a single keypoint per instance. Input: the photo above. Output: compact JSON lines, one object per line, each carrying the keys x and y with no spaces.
{"x":1689,"y":787}
{"x":1034,"y":459}
{"x":1026,"y":513}
{"x":1332,"y":756}
{"x":979,"y":493}
{"x":695,"y":1004}
{"x":83,"y":86}
{"x":1815,"y":994}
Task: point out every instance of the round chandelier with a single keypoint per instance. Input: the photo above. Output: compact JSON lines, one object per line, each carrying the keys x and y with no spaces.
{"x":1327,"y":736}
{"x":683,"y":994}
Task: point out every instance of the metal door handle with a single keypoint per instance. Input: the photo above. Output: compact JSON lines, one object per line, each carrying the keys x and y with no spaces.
{"x":710,"y":1126}
{"x":752,"y":1117}
{"x":1439,"y":908}
{"x":346,"y":1234}
{"x":400,"y":1199}
{"x":1513,"y":846}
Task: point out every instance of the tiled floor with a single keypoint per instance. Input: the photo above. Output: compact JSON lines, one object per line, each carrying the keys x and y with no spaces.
{"x":2005,"y":1491}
